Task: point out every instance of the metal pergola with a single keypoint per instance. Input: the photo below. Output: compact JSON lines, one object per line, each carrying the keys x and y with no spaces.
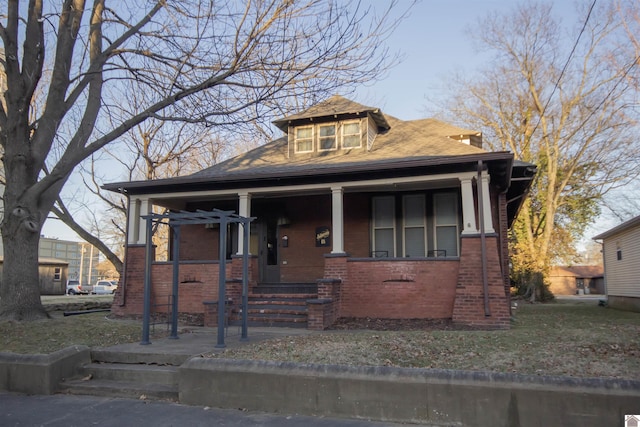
{"x":175,"y":220}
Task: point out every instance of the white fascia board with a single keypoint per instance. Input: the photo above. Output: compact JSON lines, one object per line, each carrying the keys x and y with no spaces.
{"x":352,"y":185}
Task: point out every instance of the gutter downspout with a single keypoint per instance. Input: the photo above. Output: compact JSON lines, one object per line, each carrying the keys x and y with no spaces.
{"x":123,"y":275}
{"x":483,"y":242}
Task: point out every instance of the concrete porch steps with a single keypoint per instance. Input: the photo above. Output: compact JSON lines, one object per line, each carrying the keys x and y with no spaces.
{"x":278,"y":309}
{"x":285,"y":288}
{"x":150,"y":376}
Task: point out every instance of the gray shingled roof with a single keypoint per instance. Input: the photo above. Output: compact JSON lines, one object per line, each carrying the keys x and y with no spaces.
{"x":406,"y":140}
{"x":334,"y":106}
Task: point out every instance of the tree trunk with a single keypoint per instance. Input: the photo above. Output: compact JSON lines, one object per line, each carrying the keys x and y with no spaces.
{"x":20,"y":287}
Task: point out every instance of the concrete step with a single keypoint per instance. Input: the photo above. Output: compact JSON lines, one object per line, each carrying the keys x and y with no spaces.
{"x":270,"y":321}
{"x":113,"y":355}
{"x":109,"y":388}
{"x":277,"y":308}
{"x":277,"y":313}
{"x":139,"y":374}
{"x":286,"y":288}
{"x":281,"y":297}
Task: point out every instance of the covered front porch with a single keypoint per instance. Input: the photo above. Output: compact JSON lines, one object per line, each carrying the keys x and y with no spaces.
{"x":391,"y":247}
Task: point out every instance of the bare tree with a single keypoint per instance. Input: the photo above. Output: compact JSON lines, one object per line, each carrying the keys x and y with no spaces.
{"x":217,"y":63}
{"x":565,"y":110}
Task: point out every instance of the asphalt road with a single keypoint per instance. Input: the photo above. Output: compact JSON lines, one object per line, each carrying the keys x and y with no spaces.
{"x":70,"y":411}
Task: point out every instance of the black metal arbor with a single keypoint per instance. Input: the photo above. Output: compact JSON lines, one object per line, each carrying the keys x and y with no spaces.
{"x":175,"y":220}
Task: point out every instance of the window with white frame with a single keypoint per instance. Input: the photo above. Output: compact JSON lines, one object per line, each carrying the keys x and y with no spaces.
{"x":384,"y":227}
{"x":304,"y":139}
{"x":429,"y":225}
{"x":446,"y":219}
{"x":351,"y":135}
{"x":414,"y":225}
{"x":57,"y":273}
{"x":327,"y":137}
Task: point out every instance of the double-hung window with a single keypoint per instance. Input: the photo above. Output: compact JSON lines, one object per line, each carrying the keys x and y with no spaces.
{"x":384,"y":226}
{"x":304,"y":139}
{"x":327,"y":137}
{"x":445,"y":206}
{"x":416,"y":225}
{"x":351,"y":135}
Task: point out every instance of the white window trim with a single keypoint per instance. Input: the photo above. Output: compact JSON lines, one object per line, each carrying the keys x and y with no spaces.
{"x":335,"y":137}
{"x":296,"y":140}
{"x":424,"y":227}
{"x":342,"y":134}
{"x":393,"y":227}
{"x":436,"y":224}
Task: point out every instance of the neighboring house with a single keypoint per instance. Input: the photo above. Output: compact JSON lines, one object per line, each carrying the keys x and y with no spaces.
{"x":621,"y":254}
{"x":82,"y":258}
{"x":577,"y":280}
{"x":362,"y":214}
{"x":53,"y":275}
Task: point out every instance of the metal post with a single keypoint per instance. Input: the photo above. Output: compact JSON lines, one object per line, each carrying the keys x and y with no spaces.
{"x":146,"y":313}
{"x":245,"y":279}
{"x":483,"y":241}
{"x":222,"y":279}
{"x":176,"y":270}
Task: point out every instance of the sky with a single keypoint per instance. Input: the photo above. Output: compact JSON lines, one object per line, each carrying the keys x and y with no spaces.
{"x":435,"y":40}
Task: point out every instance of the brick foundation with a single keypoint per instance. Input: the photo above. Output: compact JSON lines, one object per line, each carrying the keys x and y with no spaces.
{"x":469,"y":293}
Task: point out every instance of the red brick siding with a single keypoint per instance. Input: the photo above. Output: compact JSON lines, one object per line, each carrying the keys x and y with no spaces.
{"x":129,"y":296}
{"x":304,"y":261}
{"x":400,"y":289}
{"x":198,"y":243}
{"x":469,"y":300}
{"x":357,"y":214}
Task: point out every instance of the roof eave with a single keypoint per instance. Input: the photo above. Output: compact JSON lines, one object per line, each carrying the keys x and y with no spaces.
{"x":187,"y":183}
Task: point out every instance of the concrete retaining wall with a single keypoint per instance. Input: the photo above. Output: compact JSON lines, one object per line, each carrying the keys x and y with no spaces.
{"x":437,"y":397}
{"x":40,"y":373}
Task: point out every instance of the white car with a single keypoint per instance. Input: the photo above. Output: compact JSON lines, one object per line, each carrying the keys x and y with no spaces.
{"x":104,"y":287}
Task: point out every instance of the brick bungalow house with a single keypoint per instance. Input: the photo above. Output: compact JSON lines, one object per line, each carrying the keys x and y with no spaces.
{"x":357,"y":214}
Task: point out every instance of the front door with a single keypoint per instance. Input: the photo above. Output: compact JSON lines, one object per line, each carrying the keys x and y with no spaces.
{"x":269,"y":257}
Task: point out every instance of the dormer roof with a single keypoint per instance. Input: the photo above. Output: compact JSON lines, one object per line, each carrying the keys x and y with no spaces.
{"x":336,"y":107}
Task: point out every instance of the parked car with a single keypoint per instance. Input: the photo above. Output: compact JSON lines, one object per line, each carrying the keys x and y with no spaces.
{"x":75,"y":288}
{"x":104,"y":287}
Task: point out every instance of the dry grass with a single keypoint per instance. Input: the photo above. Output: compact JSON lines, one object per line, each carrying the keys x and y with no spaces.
{"x":553,"y":339}
{"x":47,"y":336}
{"x":580,"y":340}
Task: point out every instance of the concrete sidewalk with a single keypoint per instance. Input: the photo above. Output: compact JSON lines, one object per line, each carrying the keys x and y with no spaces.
{"x":69,"y":411}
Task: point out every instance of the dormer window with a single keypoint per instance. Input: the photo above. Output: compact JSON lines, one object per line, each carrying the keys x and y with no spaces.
{"x":332,"y":136}
{"x":304,"y":139}
{"x":327,"y":137}
{"x":351,"y":135}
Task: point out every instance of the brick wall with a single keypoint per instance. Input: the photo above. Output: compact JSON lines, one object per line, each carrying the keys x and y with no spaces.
{"x":133,"y":286}
{"x":469,"y":298}
{"x":302,"y":261}
{"x":198,"y":283}
{"x":199,"y":243}
{"x":399,"y":289}
{"x":357,"y":214}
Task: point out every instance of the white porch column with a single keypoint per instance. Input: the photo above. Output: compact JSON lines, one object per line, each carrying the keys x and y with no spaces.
{"x":133,"y":233}
{"x":244,"y":209}
{"x":468,"y":209}
{"x":486,"y":199}
{"x":146,"y":207}
{"x":337,"y":220}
